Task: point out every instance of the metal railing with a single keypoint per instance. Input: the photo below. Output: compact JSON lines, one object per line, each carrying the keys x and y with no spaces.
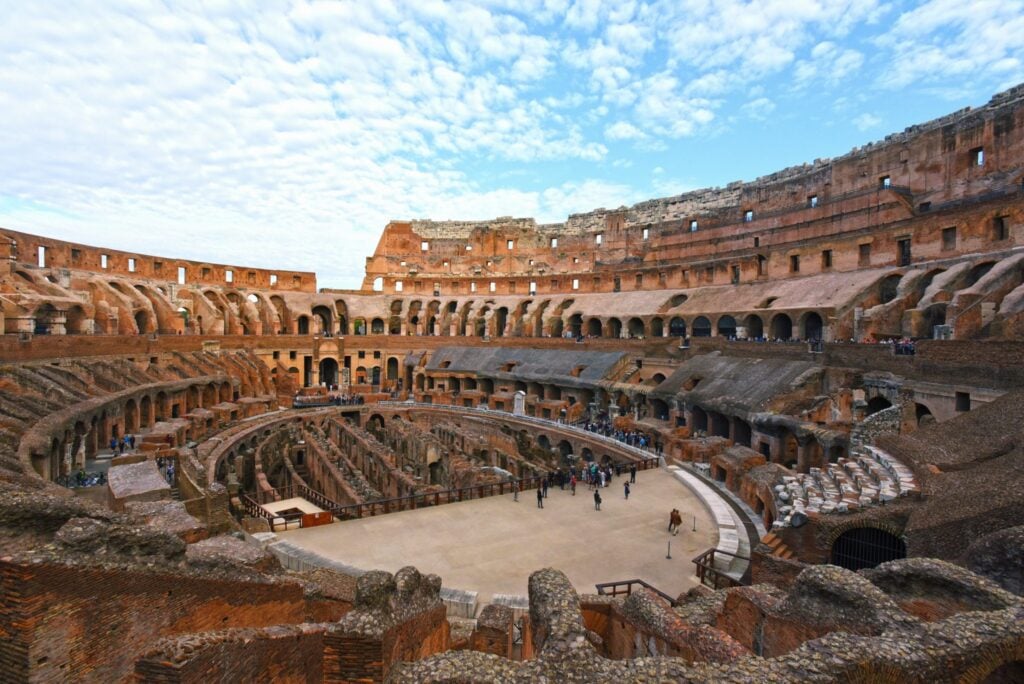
{"x":625,"y":587}
{"x":711,"y":576}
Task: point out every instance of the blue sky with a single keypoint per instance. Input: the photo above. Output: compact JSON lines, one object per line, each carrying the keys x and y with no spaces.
{"x":286,"y":134}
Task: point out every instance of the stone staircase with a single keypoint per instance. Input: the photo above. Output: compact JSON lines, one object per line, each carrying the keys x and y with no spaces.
{"x":777,"y":546}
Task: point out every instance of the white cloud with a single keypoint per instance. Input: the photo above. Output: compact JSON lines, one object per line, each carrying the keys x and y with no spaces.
{"x":944,"y":40}
{"x":866,"y":121}
{"x":759,"y":109}
{"x":623,"y":130}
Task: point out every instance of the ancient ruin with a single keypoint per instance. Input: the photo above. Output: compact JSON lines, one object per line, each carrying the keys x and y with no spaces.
{"x":826,"y":363}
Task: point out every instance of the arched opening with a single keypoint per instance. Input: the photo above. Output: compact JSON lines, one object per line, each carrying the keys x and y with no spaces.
{"x":131,"y":417}
{"x":594,"y":327}
{"x":741,"y":432}
{"x":719,"y":424}
{"x":754,"y":326}
{"x":142,"y":322}
{"x":700,"y":419}
{"x":677,"y":327}
{"x":75,"y":323}
{"x":659,"y":408}
{"x":576,"y":325}
{"x":375,"y":376}
{"x":727,"y":326}
{"x":789,"y":452}
{"x":393,"y":368}
{"x":614,"y":328}
{"x":876,"y":404}
{"x":500,"y":321}
{"x":813,"y":327}
{"x":565,"y":449}
{"x":635,"y":327}
{"x":587,"y":455}
{"x":657,"y":327}
{"x":303,"y":322}
{"x":934,"y":315}
{"x":328,"y":372}
{"x":543,"y":442}
{"x":866,"y":547}
{"x":888,"y":288}
{"x":556,"y":327}
{"x":782,"y":327}
{"x":979,"y":272}
{"x":323,"y":320}
{"x":377,"y":326}
{"x":923,"y":414}
{"x":701,"y":327}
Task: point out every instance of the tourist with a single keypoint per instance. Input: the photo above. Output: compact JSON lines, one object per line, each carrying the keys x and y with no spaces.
{"x":515,"y":490}
{"x":677,"y":520}
{"x":632,"y":474}
{"x":113,"y":445}
{"x":572,"y":485}
{"x":540,"y":498}
{"x":625,"y":485}
{"x":597,"y":500}
{"x":545,"y":486}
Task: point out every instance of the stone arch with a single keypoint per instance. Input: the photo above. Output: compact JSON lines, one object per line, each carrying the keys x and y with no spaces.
{"x":328,"y":370}
{"x":635,"y":327}
{"x":377,"y":326}
{"x":860,"y":547}
{"x":888,"y":287}
{"x":657,"y":327}
{"x":754,"y":326}
{"x":659,"y":408}
{"x":877,"y":403}
{"x":556,"y":326}
{"x":923,"y":414}
{"x":75,"y":323}
{"x":500,"y":321}
{"x":392,"y":368}
{"x":677,"y":327}
{"x":576,"y":325}
{"x":726,"y":326}
{"x":142,"y":322}
{"x":303,"y":325}
{"x":594,"y":327}
{"x":544,"y":442}
{"x":782,"y":327}
{"x":614,"y":328}
{"x":131,"y":416}
{"x":812,"y":327}
{"x":323,"y":319}
{"x":701,"y":327}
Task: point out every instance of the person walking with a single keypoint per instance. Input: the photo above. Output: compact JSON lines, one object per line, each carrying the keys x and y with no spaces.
{"x":545,"y":487}
{"x":597,"y":500}
{"x":515,"y":490}
{"x":632,"y":474}
{"x":625,"y":485}
{"x":677,"y":520}
{"x":572,"y":485}
{"x":671,"y":519}
{"x":540,"y":498}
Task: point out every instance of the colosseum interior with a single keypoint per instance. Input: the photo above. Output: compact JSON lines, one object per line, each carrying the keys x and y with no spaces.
{"x":822,"y":369}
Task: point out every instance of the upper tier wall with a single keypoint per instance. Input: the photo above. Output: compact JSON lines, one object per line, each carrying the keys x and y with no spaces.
{"x":25,"y":248}
{"x":928,"y":166}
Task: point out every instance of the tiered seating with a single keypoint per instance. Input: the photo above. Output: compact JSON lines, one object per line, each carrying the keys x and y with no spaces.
{"x":869,"y":478}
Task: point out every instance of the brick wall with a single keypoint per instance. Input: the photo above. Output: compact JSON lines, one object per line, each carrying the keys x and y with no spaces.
{"x":63,"y":621}
{"x":285,"y":653}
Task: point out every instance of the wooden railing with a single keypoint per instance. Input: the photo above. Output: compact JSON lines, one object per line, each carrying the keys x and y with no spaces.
{"x":625,"y":587}
{"x":711,"y":576}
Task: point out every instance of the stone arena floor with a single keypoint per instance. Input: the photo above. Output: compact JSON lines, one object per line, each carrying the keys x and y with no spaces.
{"x":492,"y":545}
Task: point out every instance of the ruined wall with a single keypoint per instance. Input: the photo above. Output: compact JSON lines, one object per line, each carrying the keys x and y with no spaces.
{"x":94,"y":621}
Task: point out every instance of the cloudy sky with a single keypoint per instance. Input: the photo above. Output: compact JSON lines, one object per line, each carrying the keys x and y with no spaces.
{"x":286,"y":134}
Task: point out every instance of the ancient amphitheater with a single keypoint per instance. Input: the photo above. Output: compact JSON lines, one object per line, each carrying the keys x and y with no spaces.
{"x":204,"y":466}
